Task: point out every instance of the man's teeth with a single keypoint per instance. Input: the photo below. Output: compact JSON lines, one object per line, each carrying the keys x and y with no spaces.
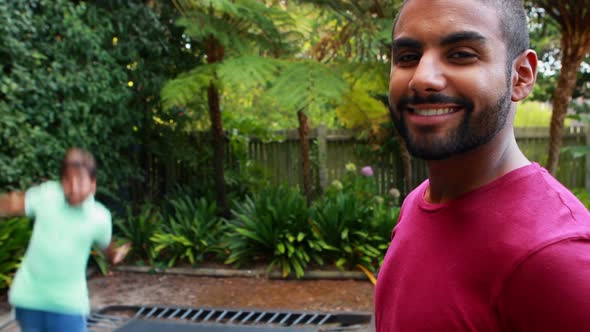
{"x":433,"y":111}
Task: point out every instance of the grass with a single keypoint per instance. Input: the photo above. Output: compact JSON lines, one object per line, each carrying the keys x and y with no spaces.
{"x":534,"y":114}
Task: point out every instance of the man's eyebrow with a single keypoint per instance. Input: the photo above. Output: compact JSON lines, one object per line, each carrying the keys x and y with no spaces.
{"x":462,"y":36}
{"x":405,"y":42}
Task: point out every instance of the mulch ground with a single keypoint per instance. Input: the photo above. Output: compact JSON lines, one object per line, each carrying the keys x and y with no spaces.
{"x":252,"y":293}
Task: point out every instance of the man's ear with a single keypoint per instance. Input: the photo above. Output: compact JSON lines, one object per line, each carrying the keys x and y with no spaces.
{"x":93,"y":186}
{"x":524,"y":75}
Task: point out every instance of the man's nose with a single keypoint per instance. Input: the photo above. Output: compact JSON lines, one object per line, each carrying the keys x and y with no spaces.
{"x":428,"y":76}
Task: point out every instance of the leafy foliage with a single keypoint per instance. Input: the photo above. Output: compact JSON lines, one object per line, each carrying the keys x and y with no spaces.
{"x":355,"y":221}
{"x":89,"y":74}
{"x":273,"y":225}
{"x":190,"y":232}
{"x":363,"y":106}
{"x":14,"y":238}
{"x":60,"y":87}
{"x":139,"y":229}
{"x":582,"y":114}
{"x":244,"y":176}
{"x":583,"y":196}
{"x":308,"y":84}
{"x":246,"y":33}
{"x":237,"y":25}
{"x":147,"y":45}
{"x":99,"y":259}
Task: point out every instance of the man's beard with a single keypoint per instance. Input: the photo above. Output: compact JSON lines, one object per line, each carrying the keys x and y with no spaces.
{"x":474,"y":130}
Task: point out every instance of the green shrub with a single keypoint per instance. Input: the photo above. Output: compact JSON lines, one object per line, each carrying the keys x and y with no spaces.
{"x":354,"y":221}
{"x":384,"y":219}
{"x":14,"y":238}
{"x":583,"y":196}
{"x":139,"y":229}
{"x":273,"y":225}
{"x":358,"y":229}
{"x":190,"y":231}
{"x":98,"y":257}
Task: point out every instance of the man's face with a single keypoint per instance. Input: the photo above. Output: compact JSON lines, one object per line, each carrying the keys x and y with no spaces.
{"x":449,"y":91}
{"x":76,"y":182}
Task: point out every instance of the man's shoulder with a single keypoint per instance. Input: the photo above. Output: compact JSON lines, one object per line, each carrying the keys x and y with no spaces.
{"x":551,"y":196}
{"x":417,"y":192}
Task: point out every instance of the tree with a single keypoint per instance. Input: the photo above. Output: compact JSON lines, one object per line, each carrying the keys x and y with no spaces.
{"x":151,"y":50}
{"x":236,"y":36}
{"x":546,"y":40}
{"x":302,"y":86}
{"x":357,"y":36}
{"x":573,"y":19}
{"x":60,"y":87}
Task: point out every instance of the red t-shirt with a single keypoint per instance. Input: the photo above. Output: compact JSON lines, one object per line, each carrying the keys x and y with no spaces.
{"x":513,"y":255}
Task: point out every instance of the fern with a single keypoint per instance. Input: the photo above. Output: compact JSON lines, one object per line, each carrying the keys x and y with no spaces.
{"x":237,"y":25}
{"x":360,"y":109}
{"x":242,"y":74}
{"x":361,"y":106}
{"x":188,"y":87}
{"x":307,"y":84}
{"x":248,"y":72}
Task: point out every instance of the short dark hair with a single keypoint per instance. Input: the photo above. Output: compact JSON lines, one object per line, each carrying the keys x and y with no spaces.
{"x":86,"y":161}
{"x":513,"y":22}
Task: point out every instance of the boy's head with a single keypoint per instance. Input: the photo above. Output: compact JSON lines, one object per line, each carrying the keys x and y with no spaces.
{"x":78,"y":175}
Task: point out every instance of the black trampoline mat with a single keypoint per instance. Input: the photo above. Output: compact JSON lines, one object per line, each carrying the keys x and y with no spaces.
{"x":159,"y":326}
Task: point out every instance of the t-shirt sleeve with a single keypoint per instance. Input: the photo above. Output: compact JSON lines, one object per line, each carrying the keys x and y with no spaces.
{"x":104,"y":229}
{"x":35,"y":197}
{"x":550,"y":291}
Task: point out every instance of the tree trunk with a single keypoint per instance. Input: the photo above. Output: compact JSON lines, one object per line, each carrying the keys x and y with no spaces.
{"x":218,"y":139}
{"x":565,"y":87}
{"x":215,"y":53}
{"x":305,"y":160}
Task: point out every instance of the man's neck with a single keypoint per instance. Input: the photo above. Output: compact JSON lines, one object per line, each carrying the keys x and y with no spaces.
{"x":463,"y":173}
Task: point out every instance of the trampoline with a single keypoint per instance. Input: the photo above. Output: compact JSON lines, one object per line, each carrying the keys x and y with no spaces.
{"x":186,"y":319}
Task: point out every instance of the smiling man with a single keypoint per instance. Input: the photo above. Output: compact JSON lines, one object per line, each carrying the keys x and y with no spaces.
{"x":490,"y":242}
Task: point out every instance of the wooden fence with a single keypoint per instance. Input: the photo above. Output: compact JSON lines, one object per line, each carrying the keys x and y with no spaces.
{"x":333,"y":149}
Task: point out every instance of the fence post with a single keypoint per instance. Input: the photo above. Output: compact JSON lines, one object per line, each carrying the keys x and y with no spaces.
{"x":587,"y":166}
{"x":322,"y":157}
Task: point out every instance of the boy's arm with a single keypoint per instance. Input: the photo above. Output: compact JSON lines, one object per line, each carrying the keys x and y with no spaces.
{"x":12,"y":204}
{"x":114,"y":254}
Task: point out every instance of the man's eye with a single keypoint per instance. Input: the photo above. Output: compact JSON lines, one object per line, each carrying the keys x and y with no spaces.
{"x":462,"y":55}
{"x":407,"y":58}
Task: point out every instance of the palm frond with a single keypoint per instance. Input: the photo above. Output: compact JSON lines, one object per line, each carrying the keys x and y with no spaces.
{"x":360,"y":109}
{"x":248,"y":72}
{"x":187,"y":87}
{"x":236,"y":24}
{"x":374,"y":76}
{"x":304,"y":84}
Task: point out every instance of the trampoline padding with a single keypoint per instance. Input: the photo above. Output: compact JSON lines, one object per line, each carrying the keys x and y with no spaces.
{"x":159,"y":326}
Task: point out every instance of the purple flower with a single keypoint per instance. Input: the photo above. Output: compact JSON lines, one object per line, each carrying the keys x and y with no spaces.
{"x":367,"y":171}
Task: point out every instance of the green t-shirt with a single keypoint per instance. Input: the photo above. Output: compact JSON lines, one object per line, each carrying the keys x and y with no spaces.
{"x":52,"y":276}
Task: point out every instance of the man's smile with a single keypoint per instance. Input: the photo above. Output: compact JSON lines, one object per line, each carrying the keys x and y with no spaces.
{"x":425,"y":110}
